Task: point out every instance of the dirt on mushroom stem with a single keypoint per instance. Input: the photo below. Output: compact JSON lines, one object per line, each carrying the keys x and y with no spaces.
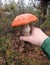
{"x":26,"y":30}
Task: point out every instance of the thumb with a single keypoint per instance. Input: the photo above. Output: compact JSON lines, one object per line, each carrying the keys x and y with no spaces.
{"x":25,"y":38}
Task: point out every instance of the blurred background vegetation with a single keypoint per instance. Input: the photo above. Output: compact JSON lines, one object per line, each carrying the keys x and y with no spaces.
{"x":10,"y":45}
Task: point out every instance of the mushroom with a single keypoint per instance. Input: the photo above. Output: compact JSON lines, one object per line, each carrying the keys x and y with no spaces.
{"x":24,"y":20}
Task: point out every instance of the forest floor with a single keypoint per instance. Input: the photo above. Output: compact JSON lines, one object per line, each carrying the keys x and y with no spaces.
{"x":16,"y":52}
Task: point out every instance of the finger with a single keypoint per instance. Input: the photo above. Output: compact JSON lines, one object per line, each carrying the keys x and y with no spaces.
{"x":25,"y":38}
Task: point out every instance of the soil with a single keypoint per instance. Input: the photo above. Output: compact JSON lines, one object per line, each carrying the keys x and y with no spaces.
{"x":13,"y":51}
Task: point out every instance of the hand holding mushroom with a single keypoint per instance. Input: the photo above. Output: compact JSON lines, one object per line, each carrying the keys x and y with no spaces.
{"x":37,"y":36}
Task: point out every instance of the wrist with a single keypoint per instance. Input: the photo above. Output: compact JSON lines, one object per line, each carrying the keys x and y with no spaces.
{"x":43,"y":39}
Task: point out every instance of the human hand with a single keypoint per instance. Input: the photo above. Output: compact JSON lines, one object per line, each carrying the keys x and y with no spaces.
{"x":36,"y":38}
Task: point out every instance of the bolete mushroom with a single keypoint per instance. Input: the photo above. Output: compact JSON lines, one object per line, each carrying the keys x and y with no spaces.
{"x":24,"y":20}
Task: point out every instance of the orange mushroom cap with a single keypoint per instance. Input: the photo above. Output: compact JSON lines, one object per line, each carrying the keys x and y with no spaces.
{"x":23,"y":19}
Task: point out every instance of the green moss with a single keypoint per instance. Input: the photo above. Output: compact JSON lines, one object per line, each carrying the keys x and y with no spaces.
{"x":45,"y":25}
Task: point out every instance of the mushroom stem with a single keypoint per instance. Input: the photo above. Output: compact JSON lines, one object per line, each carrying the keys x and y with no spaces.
{"x":26,"y":30}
